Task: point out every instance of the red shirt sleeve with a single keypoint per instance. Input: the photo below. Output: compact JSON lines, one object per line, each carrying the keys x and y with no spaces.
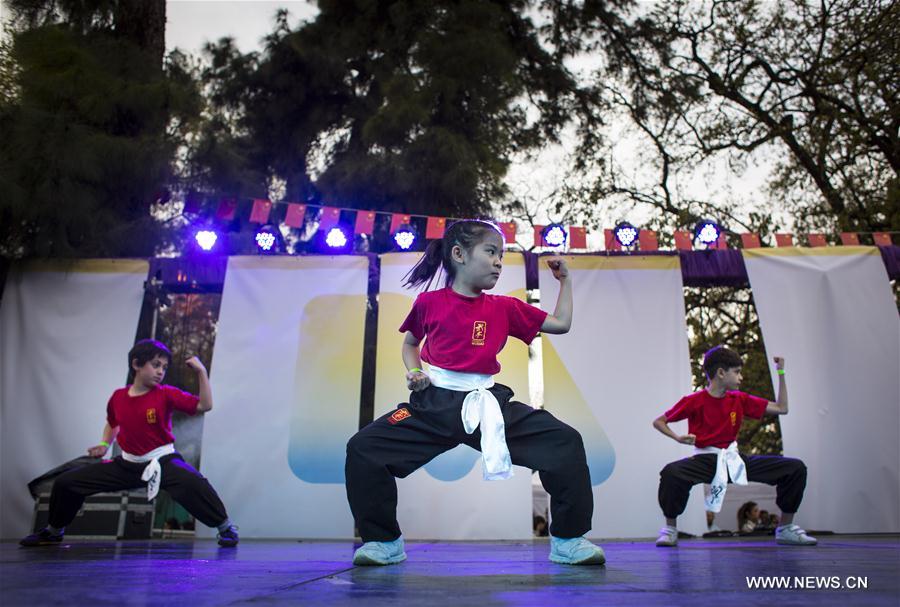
{"x":681,"y":410}
{"x":111,"y":413}
{"x":415,"y":320}
{"x":524,"y":319}
{"x":182,"y":401}
{"x":753,"y":406}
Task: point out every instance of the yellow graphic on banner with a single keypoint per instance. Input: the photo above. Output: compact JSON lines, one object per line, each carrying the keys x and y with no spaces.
{"x":327,"y":374}
{"x":569,"y":405}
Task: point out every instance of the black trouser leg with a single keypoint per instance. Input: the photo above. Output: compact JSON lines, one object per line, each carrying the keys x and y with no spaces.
{"x":191,"y":489}
{"x":677,"y":478}
{"x":390,"y":448}
{"x":539,"y":441}
{"x":70,"y":489}
{"x":786,"y":473}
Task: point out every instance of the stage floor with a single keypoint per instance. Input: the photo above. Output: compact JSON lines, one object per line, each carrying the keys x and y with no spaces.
{"x":697,"y":572}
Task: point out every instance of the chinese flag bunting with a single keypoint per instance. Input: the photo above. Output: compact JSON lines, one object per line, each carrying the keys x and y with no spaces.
{"x":684,"y":241}
{"x":260,"y":211}
{"x":882,"y":239}
{"x":577,"y":238}
{"x":539,"y":236}
{"x":784,"y":240}
{"x":435,"y":227}
{"x":750,"y":241}
{"x":648,"y":241}
{"x":365,"y":222}
{"x":509,"y":231}
{"x":295,"y":215}
{"x":850,"y":239}
{"x":816,"y":240}
{"x":227,"y":209}
{"x":329,"y":218}
{"x":398,"y":219}
{"x":610,"y":239}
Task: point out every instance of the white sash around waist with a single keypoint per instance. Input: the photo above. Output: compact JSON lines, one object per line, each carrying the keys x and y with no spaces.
{"x":729,"y":463}
{"x":480,"y":407}
{"x":152,"y":474}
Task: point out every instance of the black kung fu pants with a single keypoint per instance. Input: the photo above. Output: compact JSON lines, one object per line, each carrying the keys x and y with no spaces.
{"x":397,"y":444}
{"x":186,"y":486}
{"x":786,"y":473}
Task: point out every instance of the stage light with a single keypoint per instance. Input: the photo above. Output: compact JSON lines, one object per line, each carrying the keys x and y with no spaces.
{"x":405,"y":236}
{"x":266,"y":238}
{"x":206,"y":239}
{"x":336,"y":238}
{"x":554,"y":235}
{"x":707,"y":232}
{"x":626,"y":234}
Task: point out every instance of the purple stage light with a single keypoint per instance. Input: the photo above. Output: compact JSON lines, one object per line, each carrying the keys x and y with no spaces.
{"x":626,"y":234}
{"x":265,"y":241}
{"x":707,"y":232}
{"x":554,"y":235}
{"x":336,"y":238}
{"x":206,"y":239}
{"x":405,"y":237}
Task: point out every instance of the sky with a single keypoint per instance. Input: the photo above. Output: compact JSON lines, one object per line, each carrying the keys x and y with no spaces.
{"x":193,"y":23}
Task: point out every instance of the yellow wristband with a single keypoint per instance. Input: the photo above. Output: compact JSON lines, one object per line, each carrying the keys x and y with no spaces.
{"x":104,"y":443}
{"x":416,"y":370}
{"x":780,"y":371}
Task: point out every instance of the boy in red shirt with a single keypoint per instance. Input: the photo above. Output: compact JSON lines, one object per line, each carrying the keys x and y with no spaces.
{"x":139,"y":416}
{"x":714,"y":418}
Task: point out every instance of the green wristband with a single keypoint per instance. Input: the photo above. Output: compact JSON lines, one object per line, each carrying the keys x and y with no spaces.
{"x":780,"y":371}
{"x":416,"y":370}
{"x":104,"y":443}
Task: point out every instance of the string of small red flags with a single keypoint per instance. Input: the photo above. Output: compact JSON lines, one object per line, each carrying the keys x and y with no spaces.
{"x":647,"y":240}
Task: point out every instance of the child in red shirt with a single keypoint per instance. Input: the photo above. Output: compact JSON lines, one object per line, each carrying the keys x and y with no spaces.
{"x":457,"y":402}
{"x":714,"y":418}
{"x":139,"y":416}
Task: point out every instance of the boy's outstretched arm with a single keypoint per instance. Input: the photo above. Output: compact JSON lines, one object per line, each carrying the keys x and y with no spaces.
{"x":780,"y":406}
{"x":206,"y":400}
{"x":661,"y":424}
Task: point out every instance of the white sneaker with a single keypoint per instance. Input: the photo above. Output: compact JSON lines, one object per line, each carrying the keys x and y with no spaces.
{"x":380,"y":553}
{"x":668,"y":537}
{"x":713,"y":528}
{"x":575,"y":551}
{"x":792,"y":535}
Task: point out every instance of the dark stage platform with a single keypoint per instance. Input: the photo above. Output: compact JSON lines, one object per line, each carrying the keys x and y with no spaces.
{"x":697,"y":572}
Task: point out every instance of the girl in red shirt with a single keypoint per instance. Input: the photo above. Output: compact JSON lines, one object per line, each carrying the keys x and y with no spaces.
{"x":457,"y":402}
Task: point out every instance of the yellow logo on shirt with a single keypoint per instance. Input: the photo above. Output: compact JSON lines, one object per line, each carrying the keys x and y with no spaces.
{"x":479,"y":330}
{"x":734,"y":418}
{"x":151,"y":416}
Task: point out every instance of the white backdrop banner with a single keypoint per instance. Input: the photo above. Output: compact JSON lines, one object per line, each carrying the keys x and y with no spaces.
{"x":447,"y":499}
{"x":65,"y":332}
{"x":831,"y":313}
{"x":623,"y":364}
{"x":286,"y":376}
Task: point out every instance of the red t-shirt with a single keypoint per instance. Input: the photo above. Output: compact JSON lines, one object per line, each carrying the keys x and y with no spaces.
{"x":716,"y":421}
{"x":145,"y":421}
{"x":466,"y":333}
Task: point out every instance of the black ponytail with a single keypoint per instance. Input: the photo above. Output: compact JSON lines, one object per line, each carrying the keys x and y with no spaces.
{"x":466,"y":233}
{"x":427,"y":267}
